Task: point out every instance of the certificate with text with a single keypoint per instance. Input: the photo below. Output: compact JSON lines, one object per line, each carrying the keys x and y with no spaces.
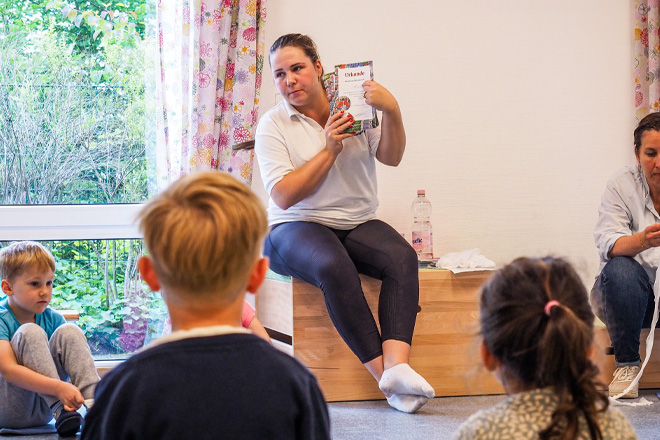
{"x":345,"y":93}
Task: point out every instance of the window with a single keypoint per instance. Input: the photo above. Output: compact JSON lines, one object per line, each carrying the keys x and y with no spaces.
{"x":75,"y":139}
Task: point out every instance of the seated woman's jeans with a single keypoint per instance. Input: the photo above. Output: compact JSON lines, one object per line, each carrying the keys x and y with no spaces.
{"x":331,"y":259}
{"x":622,"y":298}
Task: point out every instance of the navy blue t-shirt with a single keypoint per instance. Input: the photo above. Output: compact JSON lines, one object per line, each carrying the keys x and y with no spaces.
{"x":231,"y":386}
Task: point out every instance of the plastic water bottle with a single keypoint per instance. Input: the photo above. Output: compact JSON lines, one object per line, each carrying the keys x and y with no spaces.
{"x":422,"y":233}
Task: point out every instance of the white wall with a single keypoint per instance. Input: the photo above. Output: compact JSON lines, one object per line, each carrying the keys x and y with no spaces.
{"x":516,"y":112}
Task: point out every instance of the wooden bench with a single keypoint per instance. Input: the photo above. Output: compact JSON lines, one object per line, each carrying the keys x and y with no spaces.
{"x":445,"y":346}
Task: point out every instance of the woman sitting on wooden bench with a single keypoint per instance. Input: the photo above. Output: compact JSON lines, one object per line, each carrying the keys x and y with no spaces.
{"x":322,"y":212}
{"x":628,"y":238}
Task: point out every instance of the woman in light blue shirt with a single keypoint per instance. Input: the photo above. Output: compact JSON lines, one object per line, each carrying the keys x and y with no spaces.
{"x":627,"y":236}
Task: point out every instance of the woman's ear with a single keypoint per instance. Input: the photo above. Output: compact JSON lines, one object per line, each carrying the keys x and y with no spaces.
{"x":319,"y":70}
{"x":146,"y":268}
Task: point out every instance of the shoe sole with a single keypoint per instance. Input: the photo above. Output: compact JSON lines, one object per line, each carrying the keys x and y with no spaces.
{"x":69,"y":427}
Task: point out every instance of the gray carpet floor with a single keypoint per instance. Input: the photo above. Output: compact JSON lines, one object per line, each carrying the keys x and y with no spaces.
{"x":438,"y":419}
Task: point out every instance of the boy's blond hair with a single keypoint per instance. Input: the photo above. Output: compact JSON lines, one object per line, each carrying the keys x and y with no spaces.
{"x":24,"y":255}
{"x":204,"y":235}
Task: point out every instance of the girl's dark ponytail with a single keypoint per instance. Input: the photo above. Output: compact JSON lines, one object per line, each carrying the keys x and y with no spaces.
{"x":536,"y":319}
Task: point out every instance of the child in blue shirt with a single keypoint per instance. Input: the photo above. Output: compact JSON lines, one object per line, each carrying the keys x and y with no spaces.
{"x":39,"y":351}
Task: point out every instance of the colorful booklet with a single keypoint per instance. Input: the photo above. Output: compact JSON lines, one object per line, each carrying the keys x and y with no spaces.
{"x":345,"y":92}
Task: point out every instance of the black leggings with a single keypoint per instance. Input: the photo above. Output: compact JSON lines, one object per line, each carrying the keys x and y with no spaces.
{"x":331,"y":260}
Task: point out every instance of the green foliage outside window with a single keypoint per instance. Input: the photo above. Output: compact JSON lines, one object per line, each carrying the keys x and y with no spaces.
{"x":73,"y":125}
{"x":72,"y":121}
{"x":117,"y":311}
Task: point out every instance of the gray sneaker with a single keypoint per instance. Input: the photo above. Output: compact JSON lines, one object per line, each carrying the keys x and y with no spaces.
{"x":623,"y":377}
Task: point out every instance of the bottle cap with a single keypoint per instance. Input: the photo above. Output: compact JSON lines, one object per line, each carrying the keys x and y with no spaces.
{"x":421,"y":192}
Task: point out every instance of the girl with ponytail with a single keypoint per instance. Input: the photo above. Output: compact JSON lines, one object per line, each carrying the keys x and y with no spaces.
{"x":537,"y":329}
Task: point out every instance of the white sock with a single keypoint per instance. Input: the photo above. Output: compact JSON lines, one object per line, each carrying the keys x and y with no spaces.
{"x":408,"y":403}
{"x":402,"y":379}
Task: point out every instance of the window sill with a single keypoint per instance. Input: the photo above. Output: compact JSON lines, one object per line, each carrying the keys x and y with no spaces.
{"x":104,"y":366}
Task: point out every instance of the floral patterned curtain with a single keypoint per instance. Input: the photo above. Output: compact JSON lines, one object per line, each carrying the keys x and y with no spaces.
{"x":647,"y":51}
{"x":211,"y":57}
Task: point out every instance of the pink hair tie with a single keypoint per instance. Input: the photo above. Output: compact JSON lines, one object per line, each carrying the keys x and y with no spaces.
{"x":550,"y":305}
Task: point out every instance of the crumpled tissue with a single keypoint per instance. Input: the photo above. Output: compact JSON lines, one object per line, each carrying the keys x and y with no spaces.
{"x":470,"y":260}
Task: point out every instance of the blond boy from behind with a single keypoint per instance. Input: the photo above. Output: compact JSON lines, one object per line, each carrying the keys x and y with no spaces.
{"x":39,"y":351}
{"x":210,"y":378}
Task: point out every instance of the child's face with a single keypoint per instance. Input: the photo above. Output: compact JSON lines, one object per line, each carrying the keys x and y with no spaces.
{"x":29,"y":293}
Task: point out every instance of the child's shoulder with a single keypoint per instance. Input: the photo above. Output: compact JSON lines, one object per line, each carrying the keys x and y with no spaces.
{"x":614,"y":425}
{"x":229,"y":353}
{"x":226,"y":349}
{"x":6,"y":324}
{"x":6,"y":316}
{"x":526,"y":412}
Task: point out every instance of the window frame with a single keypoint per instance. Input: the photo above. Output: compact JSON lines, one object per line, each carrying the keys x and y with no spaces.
{"x":69,"y":222}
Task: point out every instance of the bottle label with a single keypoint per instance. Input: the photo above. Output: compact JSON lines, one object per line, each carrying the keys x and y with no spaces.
{"x":422,"y":242}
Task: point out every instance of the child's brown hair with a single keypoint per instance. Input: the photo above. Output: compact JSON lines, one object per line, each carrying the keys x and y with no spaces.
{"x":204,"y":234}
{"x":536,"y":320}
{"x":20,"y":256}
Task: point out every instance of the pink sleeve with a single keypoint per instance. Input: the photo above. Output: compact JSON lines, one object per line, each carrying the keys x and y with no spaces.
{"x":248,"y":314}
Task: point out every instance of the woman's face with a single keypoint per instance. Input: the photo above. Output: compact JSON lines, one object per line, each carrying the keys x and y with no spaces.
{"x":296,"y":77}
{"x":648,"y":157}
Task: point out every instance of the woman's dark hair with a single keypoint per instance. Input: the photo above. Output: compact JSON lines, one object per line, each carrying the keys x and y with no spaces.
{"x":545,"y":350}
{"x":648,"y":122}
{"x":303,"y":42}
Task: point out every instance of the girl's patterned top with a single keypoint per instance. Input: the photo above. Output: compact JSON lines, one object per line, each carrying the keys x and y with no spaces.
{"x":523,"y":415}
